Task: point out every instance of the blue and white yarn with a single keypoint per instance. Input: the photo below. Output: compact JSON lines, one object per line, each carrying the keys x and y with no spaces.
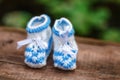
{"x":58,"y":33}
{"x":38,"y":19}
{"x":36,"y":58}
{"x":39,"y":41}
{"x":65,"y":47}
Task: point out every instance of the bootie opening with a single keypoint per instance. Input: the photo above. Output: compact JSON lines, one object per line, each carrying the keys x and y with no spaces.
{"x":38,"y":23}
{"x":62,"y":25}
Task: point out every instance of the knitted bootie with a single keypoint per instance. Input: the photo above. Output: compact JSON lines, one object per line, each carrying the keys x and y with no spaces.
{"x":65,"y":47}
{"x":39,"y":41}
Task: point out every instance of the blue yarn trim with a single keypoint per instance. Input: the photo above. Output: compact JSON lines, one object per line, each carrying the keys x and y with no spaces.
{"x":30,"y":50}
{"x":56,"y":53}
{"x":57,"y":33}
{"x":38,"y":61}
{"x":39,"y":28}
{"x":61,"y":64}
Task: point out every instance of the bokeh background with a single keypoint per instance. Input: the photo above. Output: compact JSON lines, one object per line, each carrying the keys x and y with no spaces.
{"x":91,"y":18}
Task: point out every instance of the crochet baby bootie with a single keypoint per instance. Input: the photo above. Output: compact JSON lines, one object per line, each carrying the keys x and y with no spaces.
{"x":65,"y":47}
{"x":39,"y":41}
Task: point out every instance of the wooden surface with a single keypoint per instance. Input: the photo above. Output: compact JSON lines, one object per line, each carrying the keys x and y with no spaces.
{"x":97,"y":60}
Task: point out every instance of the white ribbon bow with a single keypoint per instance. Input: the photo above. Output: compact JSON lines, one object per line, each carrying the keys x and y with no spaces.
{"x":42,"y":44}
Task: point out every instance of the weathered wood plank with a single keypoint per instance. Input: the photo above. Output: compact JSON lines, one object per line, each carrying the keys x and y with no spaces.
{"x":97,"y":60}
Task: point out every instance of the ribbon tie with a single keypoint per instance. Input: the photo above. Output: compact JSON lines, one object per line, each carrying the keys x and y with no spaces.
{"x":42,"y":44}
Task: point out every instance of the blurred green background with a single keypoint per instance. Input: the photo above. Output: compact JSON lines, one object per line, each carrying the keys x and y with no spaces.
{"x":91,"y":18}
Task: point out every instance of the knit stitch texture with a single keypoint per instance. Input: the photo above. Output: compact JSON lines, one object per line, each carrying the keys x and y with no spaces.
{"x":39,"y":41}
{"x":65,"y":47}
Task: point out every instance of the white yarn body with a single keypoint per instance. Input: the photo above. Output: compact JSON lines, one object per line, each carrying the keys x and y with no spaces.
{"x":39,"y":41}
{"x":65,"y":47}
{"x":45,"y":36}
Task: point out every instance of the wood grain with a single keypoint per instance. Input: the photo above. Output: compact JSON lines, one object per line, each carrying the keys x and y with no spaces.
{"x":97,"y":60}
